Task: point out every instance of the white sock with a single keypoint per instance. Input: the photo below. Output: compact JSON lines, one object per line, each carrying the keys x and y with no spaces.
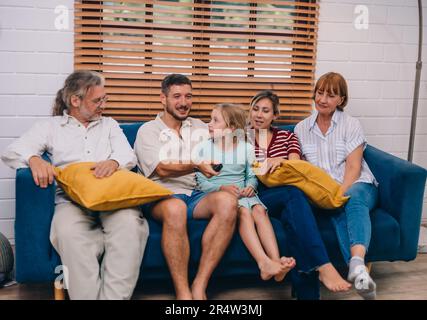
{"x":363,"y":282}
{"x":355,"y":267}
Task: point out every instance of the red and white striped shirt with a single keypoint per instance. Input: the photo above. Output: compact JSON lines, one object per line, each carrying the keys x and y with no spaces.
{"x":282,"y":144}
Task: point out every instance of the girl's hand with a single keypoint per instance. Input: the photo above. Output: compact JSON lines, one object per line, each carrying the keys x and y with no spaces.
{"x":234,"y":190}
{"x":206,"y":169}
{"x":247,"y":192}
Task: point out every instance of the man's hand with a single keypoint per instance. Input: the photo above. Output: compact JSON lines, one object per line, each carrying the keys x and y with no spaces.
{"x":105,"y":168}
{"x":206,"y":169}
{"x":234,"y":190}
{"x":42,"y":171}
{"x":247,"y":192}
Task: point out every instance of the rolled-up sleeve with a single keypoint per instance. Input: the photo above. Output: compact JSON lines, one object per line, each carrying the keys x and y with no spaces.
{"x":354,"y":136}
{"x":34,"y":142}
{"x":147,"y":147}
{"x":122,"y":152}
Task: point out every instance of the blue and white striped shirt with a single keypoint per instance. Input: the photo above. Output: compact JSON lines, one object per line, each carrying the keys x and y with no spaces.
{"x":330,"y":151}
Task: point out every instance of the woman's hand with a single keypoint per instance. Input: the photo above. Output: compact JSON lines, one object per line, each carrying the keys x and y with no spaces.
{"x":273,"y":164}
{"x":42,"y":171}
{"x":234,"y":190}
{"x":247,"y":192}
{"x":105,"y":168}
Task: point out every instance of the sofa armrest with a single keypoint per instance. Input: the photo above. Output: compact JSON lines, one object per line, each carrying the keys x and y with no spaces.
{"x":401,"y":193}
{"x":35,"y":256}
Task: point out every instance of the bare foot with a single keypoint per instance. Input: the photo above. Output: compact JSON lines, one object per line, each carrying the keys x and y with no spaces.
{"x":198,"y":292}
{"x":287,"y":264}
{"x":332,"y":279}
{"x":269,"y":268}
{"x":184,"y":296}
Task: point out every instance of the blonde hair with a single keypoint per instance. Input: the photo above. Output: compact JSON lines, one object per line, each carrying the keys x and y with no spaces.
{"x":333,"y":83}
{"x":234,"y":115}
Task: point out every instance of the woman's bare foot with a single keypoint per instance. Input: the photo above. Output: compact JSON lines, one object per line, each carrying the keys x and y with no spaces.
{"x":288,"y":264}
{"x":332,"y":279}
{"x":270,"y":268}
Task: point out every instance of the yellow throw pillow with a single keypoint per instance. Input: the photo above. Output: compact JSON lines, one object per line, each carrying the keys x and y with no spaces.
{"x":123,"y":189}
{"x":318,"y":185}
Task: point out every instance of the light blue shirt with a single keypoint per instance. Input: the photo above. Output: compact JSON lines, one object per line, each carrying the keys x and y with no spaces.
{"x":236,"y":170}
{"x":331,"y":150}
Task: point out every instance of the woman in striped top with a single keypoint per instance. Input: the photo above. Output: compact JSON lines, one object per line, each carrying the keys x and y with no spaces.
{"x":334,"y":141}
{"x":289,"y":203}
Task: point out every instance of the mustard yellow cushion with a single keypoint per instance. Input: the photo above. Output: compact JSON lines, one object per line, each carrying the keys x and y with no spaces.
{"x":123,"y":189}
{"x":318,"y":185}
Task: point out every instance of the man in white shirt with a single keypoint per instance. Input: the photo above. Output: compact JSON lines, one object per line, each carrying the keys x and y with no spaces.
{"x":102,"y":251}
{"x":163,"y":147}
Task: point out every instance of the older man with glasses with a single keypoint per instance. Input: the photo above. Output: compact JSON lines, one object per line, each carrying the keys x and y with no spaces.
{"x":102,"y":252}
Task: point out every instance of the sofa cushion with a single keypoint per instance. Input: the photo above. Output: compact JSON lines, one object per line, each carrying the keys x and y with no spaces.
{"x":236,"y":251}
{"x":123,"y":189}
{"x":319,"y":186}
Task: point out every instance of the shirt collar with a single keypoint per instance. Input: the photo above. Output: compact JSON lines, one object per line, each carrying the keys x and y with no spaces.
{"x":66,"y":118}
{"x":336,"y":117}
{"x":313,"y":119}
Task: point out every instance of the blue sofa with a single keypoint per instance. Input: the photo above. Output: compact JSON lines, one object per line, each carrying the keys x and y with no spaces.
{"x":395,"y":228}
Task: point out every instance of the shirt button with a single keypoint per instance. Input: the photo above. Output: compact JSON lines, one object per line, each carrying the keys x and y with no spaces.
{"x":85,"y":138}
{"x":88,"y":151}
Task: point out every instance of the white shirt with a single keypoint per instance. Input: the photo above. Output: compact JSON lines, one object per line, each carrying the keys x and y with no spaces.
{"x":330,"y":151}
{"x":67,"y":141}
{"x":157,"y":142}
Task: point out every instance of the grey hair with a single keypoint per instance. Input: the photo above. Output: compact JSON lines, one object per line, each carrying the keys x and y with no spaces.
{"x":77,"y":83}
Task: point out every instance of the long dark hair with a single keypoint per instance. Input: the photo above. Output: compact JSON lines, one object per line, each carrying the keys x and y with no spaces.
{"x":77,"y":83}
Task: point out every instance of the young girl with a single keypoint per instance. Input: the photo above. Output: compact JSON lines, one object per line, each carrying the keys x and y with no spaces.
{"x":228,"y":147}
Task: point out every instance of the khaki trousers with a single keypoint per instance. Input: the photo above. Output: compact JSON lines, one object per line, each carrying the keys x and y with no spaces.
{"x":101,"y":253}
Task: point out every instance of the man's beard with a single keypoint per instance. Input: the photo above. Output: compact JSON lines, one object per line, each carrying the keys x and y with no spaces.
{"x":90,"y":118}
{"x":175,"y":115}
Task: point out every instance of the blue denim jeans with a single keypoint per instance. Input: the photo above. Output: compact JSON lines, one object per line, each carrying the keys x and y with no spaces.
{"x":292,"y":207}
{"x":305,"y":244}
{"x":353,"y":223}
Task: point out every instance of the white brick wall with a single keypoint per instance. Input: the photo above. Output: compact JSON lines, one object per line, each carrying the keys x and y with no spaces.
{"x":35,"y":58}
{"x":379,"y":64}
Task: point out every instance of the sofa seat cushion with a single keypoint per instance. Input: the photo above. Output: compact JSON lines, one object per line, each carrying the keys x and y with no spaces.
{"x":153,"y":255}
{"x":236,"y":251}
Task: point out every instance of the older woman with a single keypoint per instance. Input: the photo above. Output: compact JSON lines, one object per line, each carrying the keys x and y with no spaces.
{"x":334,"y":141}
{"x":272,"y":145}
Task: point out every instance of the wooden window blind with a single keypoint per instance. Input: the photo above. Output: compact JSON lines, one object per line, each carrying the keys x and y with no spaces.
{"x":229,"y":49}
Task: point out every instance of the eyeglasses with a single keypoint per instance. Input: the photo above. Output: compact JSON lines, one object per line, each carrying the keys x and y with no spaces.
{"x":99,"y":101}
